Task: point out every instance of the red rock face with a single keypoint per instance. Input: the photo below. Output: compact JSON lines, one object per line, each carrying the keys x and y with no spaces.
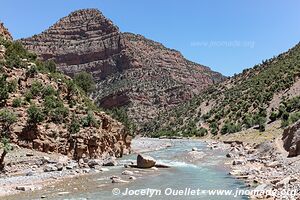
{"x":129,"y":69}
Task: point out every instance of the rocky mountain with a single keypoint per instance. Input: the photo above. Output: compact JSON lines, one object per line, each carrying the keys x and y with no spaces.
{"x":45,"y":110}
{"x":255,"y":98}
{"x":131,"y":71}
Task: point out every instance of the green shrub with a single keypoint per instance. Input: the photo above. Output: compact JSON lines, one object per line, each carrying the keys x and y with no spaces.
{"x":85,"y":81}
{"x":52,"y":102}
{"x":48,"y":91}
{"x":74,"y":126}
{"x":284,"y":123}
{"x":50,"y":65}
{"x":12,"y":86}
{"x":201,"y":132}
{"x":28,"y":96}
{"x":17,"y":102}
{"x":7,"y":118}
{"x":230,"y":127}
{"x":249,"y":121}
{"x":35,"y":115}
{"x":36,"y":88}
{"x":31,"y":71}
{"x":58,"y":114}
{"x":273,"y":116}
{"x":15,"y":53}
{"x":90,"y":120}
{"x":294,"y":117}
{"x":4,"y":90}
{"x":214,"y":128}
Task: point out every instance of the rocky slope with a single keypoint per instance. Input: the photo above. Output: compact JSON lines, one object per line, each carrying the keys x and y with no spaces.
{"x":131,"y":71}
{"x":4,"y":32}
{"x":255,"y":98}
{"x":291,"y":138}
{"x":44,"y":110}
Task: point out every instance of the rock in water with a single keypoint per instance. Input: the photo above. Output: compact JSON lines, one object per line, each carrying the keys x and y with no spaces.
{"x":145,"y":161}
{"x":126,"y":172}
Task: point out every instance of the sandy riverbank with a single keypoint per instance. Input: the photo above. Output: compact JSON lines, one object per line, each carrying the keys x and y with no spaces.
{"x":29,"y":170}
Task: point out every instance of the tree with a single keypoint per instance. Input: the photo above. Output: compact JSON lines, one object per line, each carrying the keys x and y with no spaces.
{"x":7,"y":118}
{"x":85,"y":81}
{"x":213,"y":128}
{"x":35,"y":115}
{"x":74,"y":126}
{"x":50,"y":65}
{"x":3,"y":90}
{"x":261,"y":121}
{"x":273,"y":116}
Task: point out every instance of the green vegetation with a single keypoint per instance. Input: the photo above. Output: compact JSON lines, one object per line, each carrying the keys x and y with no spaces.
{"x":74,"y":126}
{"x":288,"y":112}
{"x":16,"y":55}
{"x":17,"y":102}
{"x":239,"y":103}
{"x":36,"y":88}
{"x":85,"y":81}
{"x":7,"y":118}
{"x":4,"y":89}
{"x":48,"y":91}
{"x":120,"y":114}
{"x":54,"y":108}
{"x":89,"y":120}
{"x":35,"y":115}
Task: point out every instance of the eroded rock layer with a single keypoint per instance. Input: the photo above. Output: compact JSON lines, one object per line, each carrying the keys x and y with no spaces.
{"x":129,"y":69}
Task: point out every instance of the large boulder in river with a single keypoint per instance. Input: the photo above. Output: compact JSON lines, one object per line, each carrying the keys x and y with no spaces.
{"x":145,"y":161}
{"x":291,"y":139}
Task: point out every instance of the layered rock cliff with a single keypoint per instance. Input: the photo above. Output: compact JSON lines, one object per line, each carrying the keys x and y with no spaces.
{"x":130,"y":70}
{"x":46,"y":111}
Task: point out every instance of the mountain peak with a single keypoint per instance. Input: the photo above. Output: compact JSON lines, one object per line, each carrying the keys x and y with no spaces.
{"x":85,"y":20}
{"x":131,"y":71}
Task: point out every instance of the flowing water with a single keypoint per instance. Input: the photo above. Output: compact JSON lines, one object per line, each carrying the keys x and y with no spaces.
{"x":207,"y":173}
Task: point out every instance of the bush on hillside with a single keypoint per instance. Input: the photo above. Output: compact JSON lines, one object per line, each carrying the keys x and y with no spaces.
{"x":85,"y":81}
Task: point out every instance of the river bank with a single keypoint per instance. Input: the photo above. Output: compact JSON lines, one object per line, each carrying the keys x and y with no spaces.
{"x":30,"y":170}
{"x":262,"y":163}
{"x":191,"y":161}
{"x":262,"y":166}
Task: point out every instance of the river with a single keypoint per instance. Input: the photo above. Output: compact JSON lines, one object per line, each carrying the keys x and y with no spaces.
{"x":186,"y":179}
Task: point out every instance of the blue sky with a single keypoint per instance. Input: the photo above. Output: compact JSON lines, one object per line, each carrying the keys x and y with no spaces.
{"x":227,"y":36}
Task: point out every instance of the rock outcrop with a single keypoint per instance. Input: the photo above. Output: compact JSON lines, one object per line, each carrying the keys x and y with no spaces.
{"x":130,"y":70}
{"x":4,"y":32}
{"x":291,"y":139}
{"x":53,"y":115}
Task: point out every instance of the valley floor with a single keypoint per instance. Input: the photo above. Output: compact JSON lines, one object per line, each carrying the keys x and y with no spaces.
{"x":258,"y":159}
